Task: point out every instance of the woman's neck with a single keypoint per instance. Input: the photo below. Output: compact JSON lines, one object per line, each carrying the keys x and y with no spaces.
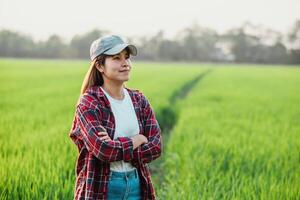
{"x":114,"y":90}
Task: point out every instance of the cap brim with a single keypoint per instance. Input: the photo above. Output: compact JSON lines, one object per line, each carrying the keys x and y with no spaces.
{"x":118,"y":48}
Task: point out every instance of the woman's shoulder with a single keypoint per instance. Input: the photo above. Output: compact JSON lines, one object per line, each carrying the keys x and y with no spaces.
{"x":136,"y":92}
{"x":140,"y":97}
{"x":89,"y":98}
{"x":133,"y":90}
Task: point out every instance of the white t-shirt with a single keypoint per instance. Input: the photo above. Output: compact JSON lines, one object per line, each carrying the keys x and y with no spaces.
{"x":126,"y":125}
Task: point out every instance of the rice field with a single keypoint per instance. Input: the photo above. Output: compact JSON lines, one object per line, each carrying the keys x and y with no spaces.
{"x":236,"y":136}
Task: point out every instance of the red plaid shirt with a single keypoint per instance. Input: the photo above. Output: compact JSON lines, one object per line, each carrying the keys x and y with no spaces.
{"x":93,"y":163}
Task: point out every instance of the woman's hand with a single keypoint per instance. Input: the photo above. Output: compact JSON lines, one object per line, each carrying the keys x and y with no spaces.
{"x":104,"y":135}
{"x":143,"y":138}
{"x":138,"y":140}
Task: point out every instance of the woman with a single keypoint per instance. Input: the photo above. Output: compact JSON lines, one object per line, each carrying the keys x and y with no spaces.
{"x":114,"y":128}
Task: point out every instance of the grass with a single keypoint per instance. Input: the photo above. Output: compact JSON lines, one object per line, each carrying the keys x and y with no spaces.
{"x":237,"y":137}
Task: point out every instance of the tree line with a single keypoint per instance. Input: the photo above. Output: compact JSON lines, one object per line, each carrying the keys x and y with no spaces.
{"x":245,"y":44}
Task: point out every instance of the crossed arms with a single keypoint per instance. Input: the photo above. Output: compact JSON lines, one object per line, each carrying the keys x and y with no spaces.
{"x":122,"y":147}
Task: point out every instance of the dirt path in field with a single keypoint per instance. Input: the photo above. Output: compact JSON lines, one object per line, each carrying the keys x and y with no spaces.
{"x":167,"y":118}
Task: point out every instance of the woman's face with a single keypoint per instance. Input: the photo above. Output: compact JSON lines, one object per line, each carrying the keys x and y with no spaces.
{"x":117,"y":67}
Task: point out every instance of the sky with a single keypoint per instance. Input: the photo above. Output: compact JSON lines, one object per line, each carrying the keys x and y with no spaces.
{"x":42,"y":18}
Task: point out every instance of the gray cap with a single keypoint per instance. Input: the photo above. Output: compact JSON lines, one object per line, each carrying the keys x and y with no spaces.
{"x":110,"y":45}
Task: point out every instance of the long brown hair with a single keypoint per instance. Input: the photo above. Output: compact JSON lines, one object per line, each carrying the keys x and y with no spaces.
{"x":93,"y":76}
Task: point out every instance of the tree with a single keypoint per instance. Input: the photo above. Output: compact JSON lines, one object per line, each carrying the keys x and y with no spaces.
{"x":13,"y":44}
{"x":198,"y":43}
{"x":52,"y":48}
{"x":80,"y":44}
{"x":294,"y":42}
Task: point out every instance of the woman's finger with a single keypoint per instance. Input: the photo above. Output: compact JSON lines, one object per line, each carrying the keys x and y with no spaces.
{"x":105,"y":138}
{"x":102,"y":133}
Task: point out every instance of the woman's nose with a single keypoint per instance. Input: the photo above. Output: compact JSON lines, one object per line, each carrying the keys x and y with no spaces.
{"x":126,"y":62}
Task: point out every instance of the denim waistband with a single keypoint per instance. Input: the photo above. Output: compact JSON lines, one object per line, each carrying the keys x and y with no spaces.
{"x":129,"y":174}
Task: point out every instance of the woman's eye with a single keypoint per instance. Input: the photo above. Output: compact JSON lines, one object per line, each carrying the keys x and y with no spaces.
{"x":118,"y":57}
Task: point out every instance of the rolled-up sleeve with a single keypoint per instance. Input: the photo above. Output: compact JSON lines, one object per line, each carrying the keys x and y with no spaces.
{"x":151,"y":150}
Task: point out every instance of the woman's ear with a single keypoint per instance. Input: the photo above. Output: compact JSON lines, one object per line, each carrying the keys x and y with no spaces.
{"x":100,"y":68}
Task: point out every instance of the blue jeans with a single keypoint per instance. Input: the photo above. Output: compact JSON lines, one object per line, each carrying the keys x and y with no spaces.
{"x":124,"y":186}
